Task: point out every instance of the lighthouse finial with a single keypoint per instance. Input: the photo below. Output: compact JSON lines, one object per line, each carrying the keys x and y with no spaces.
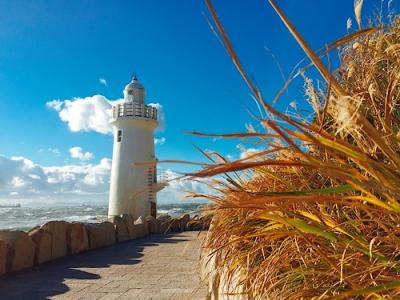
{"x":134,"y":76}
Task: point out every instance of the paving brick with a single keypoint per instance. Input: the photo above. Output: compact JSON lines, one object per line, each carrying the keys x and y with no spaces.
{"x":155,"y":267}
{"x":111,"y":296}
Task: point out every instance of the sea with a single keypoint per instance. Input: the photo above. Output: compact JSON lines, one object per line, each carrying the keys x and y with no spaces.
{"x":27,"y":217}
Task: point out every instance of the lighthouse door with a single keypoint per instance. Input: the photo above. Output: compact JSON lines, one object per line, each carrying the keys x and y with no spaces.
{"x":153,"y":209}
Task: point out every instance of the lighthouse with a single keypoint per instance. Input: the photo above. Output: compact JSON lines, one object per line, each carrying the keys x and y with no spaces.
{"x":133,"y":184}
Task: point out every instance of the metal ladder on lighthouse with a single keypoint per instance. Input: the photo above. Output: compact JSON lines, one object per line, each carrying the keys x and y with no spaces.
{"x":151,"y":180}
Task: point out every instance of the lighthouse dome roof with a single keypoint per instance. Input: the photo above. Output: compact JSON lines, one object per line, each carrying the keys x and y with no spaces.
{"x":134,"y":84}
{"x":134,"y":91}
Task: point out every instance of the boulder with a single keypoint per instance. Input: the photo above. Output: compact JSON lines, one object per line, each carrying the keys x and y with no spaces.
{"x":140,"y":230}
{"x":121,"y":229}
{"x":199,"y":223}
{"x":163,"y":222}
{"x":206,"y":221}
{"x":183,"y":220}
{"x":108,"y":230}
{"x":152,"y":224}
{"x":163,"y":218}
{"x":20,"y":250}
{"x":3,"y":258}
{"x":77,"y":238}
{"x":130,"y":224}
{"x":140,"y":227}
{"x":100,"y":234}
{"x":194,"y":225}
{"x":43,"y":243}
{"x":139,"y":220}
{"x":174,"y":225}
{"x":95,"y":235}
{"x":58,"y":231}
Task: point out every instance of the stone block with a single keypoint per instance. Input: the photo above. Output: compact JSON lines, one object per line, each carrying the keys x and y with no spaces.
{"x":152,"y":224}
{"x":3,"y":258}
{"x":43,"y":243}
{"x":108,"y":230}
{"x":163,"y":222}
{"x":206,"y":221}
{"x":100,"y":234}
{"x":130,"y":223}
{"x":139,"y":220}
{"x":77,"y":238}
{"x":184,"y":220}
{"x":163,"y":218}
{"x":20,"y":250}
{"x":141,"y":228}
{"x":121,"y":229}
{"x":174,"y":225}
{"x":194,"y":225}
{"x":58,"y":232}
{"x":198,"y":223}
{"x":95,"y":236}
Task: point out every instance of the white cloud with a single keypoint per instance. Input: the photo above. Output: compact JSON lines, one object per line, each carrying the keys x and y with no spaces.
{"x":17,"y":182}
{"x":93,"y":113}
{"x":24,"y":179}
{"x":78,"y":153}
{"x":102,"y":81}
{"x":84,"y":114}
{"x":178,"y":188}
{"x":230,"y":157}
{"x":54,"y":104}
{"x":54,"y":151}
{"x":87,"y":114}
{"x":99,"y":174}
{"x":246,"y":152}
{"x":160,"y":141}
{"x":160,"y":117}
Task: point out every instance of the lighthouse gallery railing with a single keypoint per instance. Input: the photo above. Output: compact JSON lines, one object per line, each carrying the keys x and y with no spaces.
{"x":132,"y":109}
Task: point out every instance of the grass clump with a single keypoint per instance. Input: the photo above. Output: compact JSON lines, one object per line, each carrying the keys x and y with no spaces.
{"x":316,"y":213}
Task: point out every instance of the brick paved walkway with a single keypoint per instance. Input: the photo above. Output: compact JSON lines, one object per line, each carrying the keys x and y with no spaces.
{"x":155,"y":267}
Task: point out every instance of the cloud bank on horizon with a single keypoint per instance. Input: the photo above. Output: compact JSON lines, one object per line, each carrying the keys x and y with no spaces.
{"x":21,"y":178}
{"x":24,"y":181}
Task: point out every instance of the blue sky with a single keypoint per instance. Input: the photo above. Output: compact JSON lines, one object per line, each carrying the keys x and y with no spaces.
{"x":60,"y":49}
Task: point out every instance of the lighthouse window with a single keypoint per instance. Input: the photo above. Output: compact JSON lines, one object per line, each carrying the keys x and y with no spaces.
{"x":119,"y":136}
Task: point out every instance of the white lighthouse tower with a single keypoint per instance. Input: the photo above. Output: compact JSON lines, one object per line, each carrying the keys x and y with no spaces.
{"x":133,"y":184}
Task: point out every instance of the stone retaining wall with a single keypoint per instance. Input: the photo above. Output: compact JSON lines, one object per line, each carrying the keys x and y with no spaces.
{"x":21,"y":250}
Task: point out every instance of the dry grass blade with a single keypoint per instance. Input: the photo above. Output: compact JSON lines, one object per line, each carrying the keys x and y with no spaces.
{"x":311,"y":54}
{"x":357,"y":11}
{"x":236,"y":135}
{"x":315,"y":215}
{"x":337,"y":88}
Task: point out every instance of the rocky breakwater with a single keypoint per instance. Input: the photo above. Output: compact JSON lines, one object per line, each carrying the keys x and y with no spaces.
{"x":20,"y":250}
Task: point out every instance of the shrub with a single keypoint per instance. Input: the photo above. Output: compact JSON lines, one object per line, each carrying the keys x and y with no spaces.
{"x":316,"y":214}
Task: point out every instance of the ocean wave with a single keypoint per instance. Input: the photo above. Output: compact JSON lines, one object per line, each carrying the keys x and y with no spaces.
{"x":25,"y":218}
